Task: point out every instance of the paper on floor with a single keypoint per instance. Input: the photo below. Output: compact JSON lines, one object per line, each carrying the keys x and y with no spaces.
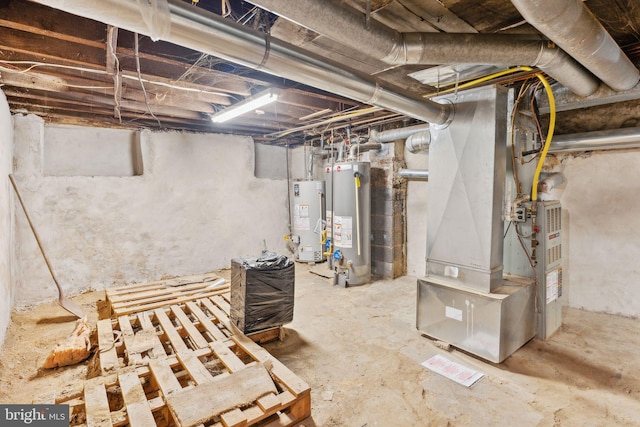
{"x":452,"y":370}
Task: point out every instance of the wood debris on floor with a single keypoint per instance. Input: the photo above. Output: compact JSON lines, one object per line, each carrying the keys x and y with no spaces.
{"x":169,"y":356}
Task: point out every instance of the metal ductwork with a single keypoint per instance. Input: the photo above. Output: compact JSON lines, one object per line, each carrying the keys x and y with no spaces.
{"x":572,"y":26}
{"x":396,"y":134}
{"x":597,"y":140}
{"x":340,"y":22}
{"x":418,"y":142}
{"x":209,"y":33}
{"x":422,"y":174}
{"x":361,"y":148}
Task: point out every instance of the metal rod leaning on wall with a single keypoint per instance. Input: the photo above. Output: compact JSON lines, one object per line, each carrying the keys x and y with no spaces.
{"x":68,"y":305}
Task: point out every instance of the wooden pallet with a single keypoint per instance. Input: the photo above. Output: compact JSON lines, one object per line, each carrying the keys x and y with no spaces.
{"x":170,"y":356}
{"x":133,"y":340}
{"x":184,"y":300}
{"x":233,"y":382}
{"x":132,"y":299}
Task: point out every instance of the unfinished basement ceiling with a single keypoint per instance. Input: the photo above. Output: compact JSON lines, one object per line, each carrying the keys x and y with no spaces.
{"x":75,"y":70}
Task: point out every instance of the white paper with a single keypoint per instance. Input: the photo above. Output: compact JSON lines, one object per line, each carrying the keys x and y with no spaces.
{"x":452,"y":370}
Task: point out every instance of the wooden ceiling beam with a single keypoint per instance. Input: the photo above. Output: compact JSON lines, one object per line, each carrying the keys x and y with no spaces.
{"x":45,"y":21}
{"x":90,"y":101}
{"x":25,"y":42}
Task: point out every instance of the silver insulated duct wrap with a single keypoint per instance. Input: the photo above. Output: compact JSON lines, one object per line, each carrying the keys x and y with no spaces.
{"x":572,"y":26}
{"x":206,"y":32}
{"x":344,"y":24}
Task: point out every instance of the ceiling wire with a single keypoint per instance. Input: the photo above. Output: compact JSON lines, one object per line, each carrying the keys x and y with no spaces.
{"x":144,"y":91}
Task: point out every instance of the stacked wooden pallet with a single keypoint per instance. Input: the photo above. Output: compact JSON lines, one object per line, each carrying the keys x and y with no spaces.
{"x":182,"y":363}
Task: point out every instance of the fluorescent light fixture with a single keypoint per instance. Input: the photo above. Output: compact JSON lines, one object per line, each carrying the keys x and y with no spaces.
{"x":246,"y":105}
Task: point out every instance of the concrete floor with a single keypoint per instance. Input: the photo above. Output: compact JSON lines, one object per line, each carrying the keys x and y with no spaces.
{"x":360,"y":352}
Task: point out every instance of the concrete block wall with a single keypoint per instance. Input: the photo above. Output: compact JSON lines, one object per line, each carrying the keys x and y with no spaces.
{"x":388,"y":208}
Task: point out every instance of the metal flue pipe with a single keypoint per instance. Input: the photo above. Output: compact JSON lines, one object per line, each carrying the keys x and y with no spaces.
{"x":421,"y":174}
{"x":355,"y":148}
{"x":206,"y":32}
{"x":418,"y":142}
{"x":396,"y":134}
{"x":597,"y":140}
{"x":339,"y":22}
{"x":572,"y":26}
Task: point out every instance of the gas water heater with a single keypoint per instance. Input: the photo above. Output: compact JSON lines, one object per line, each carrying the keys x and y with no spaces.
{"x":308,"y":223}
{"x":349,"y":222}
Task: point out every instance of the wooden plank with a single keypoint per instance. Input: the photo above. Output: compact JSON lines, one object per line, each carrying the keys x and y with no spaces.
{"x":165,"y":378}
{"x":174,"y":337}
{"x":222,"y":394}
{"x":129,"y":341}
{"x":96,"y":403}
{"x":207,"y":277}
{"x":254,"y":414}
{"x":158,"y":293}
{"x":198,"y":340}
{"x":23,"y":41}
{"x":162,"y":294}
{"x":227,"y":357}
{"x":205,"y":322}
{"x":216,"y":311}
{"x":106,"y":346}
{"x":222,"y":303}
{"x":227,"y":297}
{"x":136,"y":308}
{"x":234,"y":418}
{"x":290,"y":380}
{"x":284,"y":420}
{"x":138,"y":410}
{"x":197,"y":371}
{"x":157,"y":350}
{"x":144,"y":371}
{"x":266,"y":336}
{"x":50,"y":22}
{"x":269,"y":402}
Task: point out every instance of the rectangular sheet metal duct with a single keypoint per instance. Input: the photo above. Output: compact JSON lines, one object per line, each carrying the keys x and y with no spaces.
{"x":467,"y":167}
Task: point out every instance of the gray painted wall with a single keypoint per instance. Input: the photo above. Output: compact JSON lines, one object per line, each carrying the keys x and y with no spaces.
{"x":6,"y":217}
{"x":196,"y":206}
